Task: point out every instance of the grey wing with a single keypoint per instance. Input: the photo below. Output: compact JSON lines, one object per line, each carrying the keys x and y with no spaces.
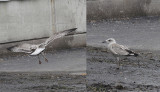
{"x":53,"y":37}
{"x":124,"y":47}
{"x":119,"y":49}
{"x":26,"y":48}
{"x":58,"y":35}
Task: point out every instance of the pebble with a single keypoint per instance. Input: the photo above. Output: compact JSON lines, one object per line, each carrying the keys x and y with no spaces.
{"x":1,"y":60}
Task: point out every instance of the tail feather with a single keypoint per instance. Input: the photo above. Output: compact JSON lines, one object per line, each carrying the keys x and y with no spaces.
{"x":135,"y":54}
{"x":131,"y":53}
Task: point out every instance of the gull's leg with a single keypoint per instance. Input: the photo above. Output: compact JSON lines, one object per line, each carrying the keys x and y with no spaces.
{"x":118,"y":61}
{"x":44,"y":57}
{"x":138,"y":64}
{"x":39,"y":59}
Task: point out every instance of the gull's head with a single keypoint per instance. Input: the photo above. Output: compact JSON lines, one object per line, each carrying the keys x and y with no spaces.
{"x":110,"y":40}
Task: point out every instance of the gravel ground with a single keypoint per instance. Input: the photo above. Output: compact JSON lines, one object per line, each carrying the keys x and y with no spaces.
{"x":135,"y":74}
{"x":64,"y":72}
{"x":58,"y":60}
{"x":41,"y":82}
{"x":136,"y":33}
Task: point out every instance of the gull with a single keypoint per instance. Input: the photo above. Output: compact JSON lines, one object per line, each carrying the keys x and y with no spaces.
{"x":37,"y":49}
{"x":119,"y":50}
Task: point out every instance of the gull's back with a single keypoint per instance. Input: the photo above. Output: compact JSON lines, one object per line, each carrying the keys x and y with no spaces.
{"x":118,"y":49}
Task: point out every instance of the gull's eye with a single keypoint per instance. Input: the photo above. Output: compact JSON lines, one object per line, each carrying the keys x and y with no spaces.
{"x":109,"y":40}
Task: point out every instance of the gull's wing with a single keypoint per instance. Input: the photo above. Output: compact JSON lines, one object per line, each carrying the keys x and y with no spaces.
{"x":122,"y":50}
{"x":58,"y":35}
{"x":26,"y":48}
{"x":124,"y":47}
{"x":119,"y":49}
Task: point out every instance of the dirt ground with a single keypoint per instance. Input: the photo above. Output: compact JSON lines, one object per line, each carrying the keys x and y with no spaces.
{"x":133,"y":75}
{"x":58,"y":60}
{"x":64,"y":72}
{"x":41,"y":82}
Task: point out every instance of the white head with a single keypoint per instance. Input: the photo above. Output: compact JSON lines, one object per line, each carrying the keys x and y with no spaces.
{"x":110,"y":40}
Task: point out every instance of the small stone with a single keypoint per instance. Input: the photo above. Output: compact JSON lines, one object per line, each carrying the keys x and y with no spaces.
{"x":1,"y":60}
{"x":120,"y":87}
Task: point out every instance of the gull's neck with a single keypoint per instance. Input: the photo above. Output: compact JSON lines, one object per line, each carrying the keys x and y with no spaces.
{"x":114,"y":42}
{"x":110,"y":44}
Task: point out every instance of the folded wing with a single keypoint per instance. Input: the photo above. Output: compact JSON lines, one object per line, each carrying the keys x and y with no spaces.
{"x":122,"y":50}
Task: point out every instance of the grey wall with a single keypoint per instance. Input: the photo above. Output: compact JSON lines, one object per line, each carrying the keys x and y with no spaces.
{"x":30,"y":19}
{"x":24,"y":19}
{"x":104,"y":9}
{"x":69,"y":14}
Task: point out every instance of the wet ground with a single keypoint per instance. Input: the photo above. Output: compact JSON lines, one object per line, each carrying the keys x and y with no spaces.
{"x":65,"y":71}
{"x":135,"y":74}
{"x":41,"y":82}
{"x":58,"y":60}
{"x":136,"y":33}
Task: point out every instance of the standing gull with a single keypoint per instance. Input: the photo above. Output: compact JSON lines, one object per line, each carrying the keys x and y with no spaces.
{"x":118,"y":50}
{"x":37,"y":49}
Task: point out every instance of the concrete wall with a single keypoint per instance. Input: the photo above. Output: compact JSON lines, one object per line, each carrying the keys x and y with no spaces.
{"x":24,"y":19}
{"x":30,"y":19}
{"x":69,"y":14}
{"x":104,"y":9}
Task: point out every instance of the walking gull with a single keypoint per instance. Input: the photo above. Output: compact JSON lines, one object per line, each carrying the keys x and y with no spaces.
{"x":119,"y":50}
{"x":37,"y":49}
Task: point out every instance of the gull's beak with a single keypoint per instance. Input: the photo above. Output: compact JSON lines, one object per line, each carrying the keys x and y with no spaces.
{"x":103,"y":41}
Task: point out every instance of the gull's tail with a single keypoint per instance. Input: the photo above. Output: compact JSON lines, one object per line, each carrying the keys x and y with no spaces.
{"x":131,"y":53}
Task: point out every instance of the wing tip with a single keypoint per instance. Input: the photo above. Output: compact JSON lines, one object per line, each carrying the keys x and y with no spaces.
{"x":131,"y":53}
{"x":73,"y":29}
{"x":70,"y":31}
{"x":135,"y":54}
{"x":10,"y":48}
